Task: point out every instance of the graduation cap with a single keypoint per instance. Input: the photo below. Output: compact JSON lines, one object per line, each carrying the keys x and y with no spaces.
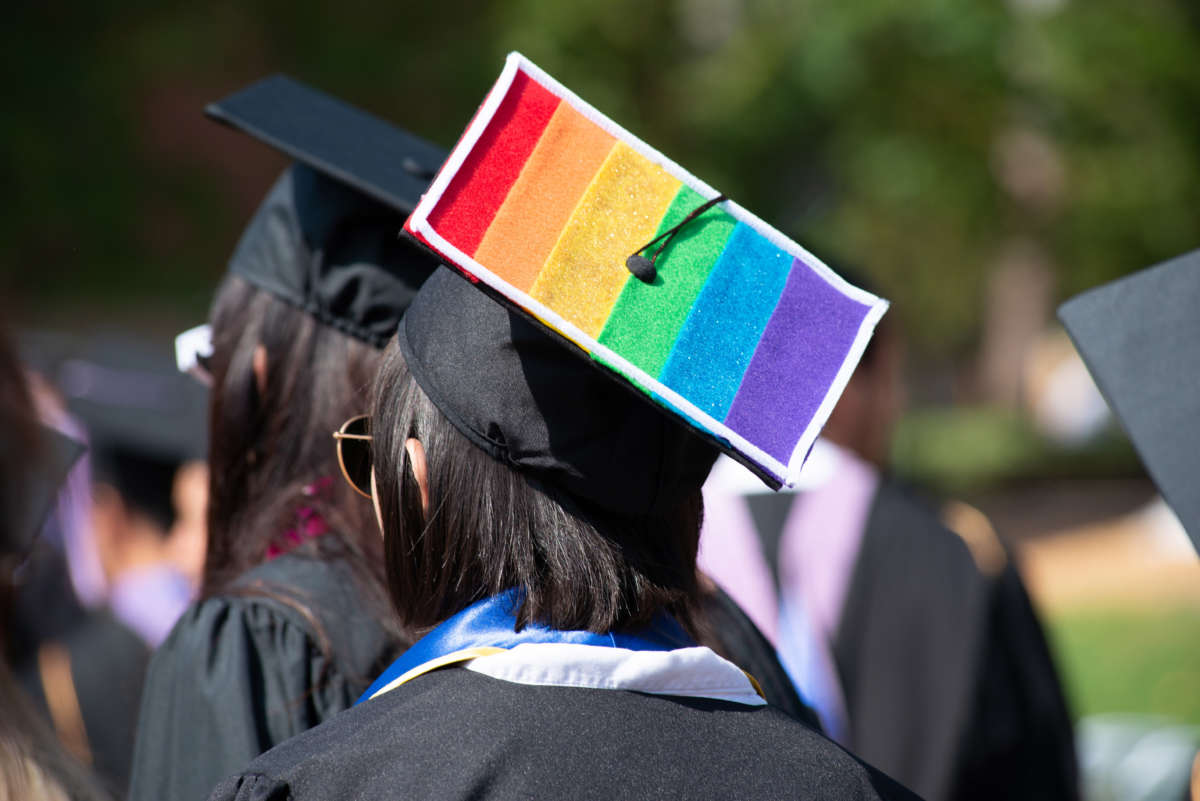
{"x":1140,"y":338}
{"x":143,"y":418}
{"x":325,"y":239}
{"x":648,"y":274}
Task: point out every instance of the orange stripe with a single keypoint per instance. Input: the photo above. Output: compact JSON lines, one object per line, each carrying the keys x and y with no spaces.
{"x":554,"y":178}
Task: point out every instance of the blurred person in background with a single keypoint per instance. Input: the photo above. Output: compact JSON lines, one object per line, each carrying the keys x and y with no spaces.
{"x":291,"y":625}
{"x":917,"y":646}
{"x":34,"y":460}
{"x":141,"y":521}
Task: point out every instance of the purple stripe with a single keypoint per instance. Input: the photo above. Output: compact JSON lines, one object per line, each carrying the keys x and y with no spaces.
{"x":798,"y":357}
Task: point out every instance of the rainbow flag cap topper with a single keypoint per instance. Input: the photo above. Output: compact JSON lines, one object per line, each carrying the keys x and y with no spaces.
{"x":727,"y":323}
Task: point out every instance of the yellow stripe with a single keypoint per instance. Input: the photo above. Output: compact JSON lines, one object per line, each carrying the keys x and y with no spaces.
{"x":619,"y":212}
{"x":433,"y":664}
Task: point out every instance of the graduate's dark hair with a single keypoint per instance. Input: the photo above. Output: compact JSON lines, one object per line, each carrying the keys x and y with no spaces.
{"x":268,"y":449}
{"x":490,"y":528}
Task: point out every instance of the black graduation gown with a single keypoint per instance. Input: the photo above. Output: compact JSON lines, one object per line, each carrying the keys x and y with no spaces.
{"x":743,"y":644}
{"x":85,"y":664}
{"x":92,"y":677}
{"x":456,"y":734}
{"x":949,"y":684}
{"x":291,"y":645}
{"x":44,"y":606}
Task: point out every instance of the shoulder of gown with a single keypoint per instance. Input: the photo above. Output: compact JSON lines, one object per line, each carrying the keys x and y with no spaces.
{"x":453,"y":734}
{"x":1019,"y":741}
{"x":910,"y":641}
{"x":292,"y":644}
{"x":993,"y":723}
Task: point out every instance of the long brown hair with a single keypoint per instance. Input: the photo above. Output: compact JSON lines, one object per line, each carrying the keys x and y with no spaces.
{"x":490,"y":529}
{"x":269,"y":448}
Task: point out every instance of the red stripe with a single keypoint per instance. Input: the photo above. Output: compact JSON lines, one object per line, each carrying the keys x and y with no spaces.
{"x":467,"y":207}
{"x":443,"y":256}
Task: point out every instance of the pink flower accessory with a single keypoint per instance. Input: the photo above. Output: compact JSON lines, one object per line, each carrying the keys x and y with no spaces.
{"x":309,"y":522}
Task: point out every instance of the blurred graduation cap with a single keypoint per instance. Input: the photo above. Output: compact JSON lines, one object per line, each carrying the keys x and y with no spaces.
{"x":143,"y":418}
{"x":326,"y":238}
{"x":648,"y":274}
{"x":1140,"y":338}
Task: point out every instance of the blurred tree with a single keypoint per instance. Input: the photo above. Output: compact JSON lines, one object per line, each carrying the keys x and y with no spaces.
{"x":922,"y":141}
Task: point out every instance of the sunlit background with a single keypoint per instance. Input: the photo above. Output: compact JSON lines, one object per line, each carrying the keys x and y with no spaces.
{"x":975,"y":162}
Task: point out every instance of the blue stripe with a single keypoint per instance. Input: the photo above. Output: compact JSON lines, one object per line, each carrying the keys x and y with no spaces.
{"x":716,"y":343}
{"x":492,"y":622}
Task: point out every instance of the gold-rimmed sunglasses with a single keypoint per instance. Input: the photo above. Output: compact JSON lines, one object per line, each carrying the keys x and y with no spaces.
{"x":354,"y":453}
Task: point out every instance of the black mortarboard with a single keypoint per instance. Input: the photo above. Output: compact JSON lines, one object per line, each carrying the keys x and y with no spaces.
{"x":658,"y":279}
{"x":325,"y":239}
{"x":526,"y":398}
{"x":143,"y":417}
{"x":1140,"y":338}
{"x":632,"y":321}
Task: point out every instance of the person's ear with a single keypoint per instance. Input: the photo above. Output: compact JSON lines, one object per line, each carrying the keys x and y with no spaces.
{"x":420,"y":470}
{"x":259,"y":363}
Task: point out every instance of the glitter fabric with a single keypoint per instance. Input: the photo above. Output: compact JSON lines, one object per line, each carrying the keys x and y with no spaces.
{"x":481,"y":184}
{"x":618,"y":213}
{"x":558,"y":172}
{"x":647,"y":318}
{"x":800,"y":352}
{"x":720,"y":335}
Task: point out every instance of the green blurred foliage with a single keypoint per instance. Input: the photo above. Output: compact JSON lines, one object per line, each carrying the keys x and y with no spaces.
{"x":868,"y":130}
{"x":957,"y":450}
{"x":1140,"y":661}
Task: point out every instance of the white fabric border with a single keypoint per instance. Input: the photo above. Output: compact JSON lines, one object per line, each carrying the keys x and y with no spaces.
{"x":689,"y":672}
{"x":419,"y":222}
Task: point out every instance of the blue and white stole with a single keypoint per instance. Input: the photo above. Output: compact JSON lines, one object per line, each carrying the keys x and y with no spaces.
{"x":488,"y":628}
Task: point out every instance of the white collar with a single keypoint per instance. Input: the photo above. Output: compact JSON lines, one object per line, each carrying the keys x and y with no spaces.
{"x":690,"y":672}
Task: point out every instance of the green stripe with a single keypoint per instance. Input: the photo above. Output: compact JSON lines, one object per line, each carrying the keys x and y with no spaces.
{"x":634,"y":382}
{"x":646,"y":318}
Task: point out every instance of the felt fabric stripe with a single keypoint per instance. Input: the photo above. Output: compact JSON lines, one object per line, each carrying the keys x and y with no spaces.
{"x":470,"y":202}
{"x":801,"y":350}
{"x":619,"y":212}
{"x":716,"y":343}
{"x":569,"y":154}
{"x":648,"y":317}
